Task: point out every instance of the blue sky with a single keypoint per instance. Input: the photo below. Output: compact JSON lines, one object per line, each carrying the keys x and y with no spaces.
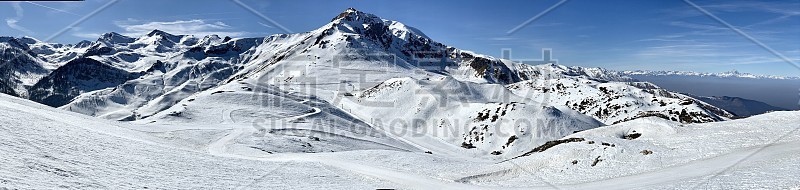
{"x":614,"y":34}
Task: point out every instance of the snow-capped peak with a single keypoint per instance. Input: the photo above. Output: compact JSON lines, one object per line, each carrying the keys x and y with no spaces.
{"x":353,"y":14}
{"x":354,"y":18}
{"x":29,"y":40}
{"x":82,"y":44}
{"x":158,"y":32}
{"x":115,"y":38}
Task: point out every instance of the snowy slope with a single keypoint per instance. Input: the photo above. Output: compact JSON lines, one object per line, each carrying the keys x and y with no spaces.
{"x":46,"y":148}
{"x":447,"y":116}
{"x":280,"y":121}
{"x":50,"y":148}
{"x":757,"y":152}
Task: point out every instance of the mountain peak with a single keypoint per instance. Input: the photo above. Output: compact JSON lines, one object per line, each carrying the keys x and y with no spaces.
{"x":82,"y":44}
{"x":351,"y":14}
{"x":157,"y":32}
{"x":110,"y":34}
{"x":29,"y":40}
{"x":113,"y":37}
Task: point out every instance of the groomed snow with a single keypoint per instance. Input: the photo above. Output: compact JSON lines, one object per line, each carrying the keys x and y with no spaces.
{"x":49,"y":148}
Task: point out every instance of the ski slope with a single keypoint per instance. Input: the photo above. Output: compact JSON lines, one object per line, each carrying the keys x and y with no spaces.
{"x":45,"y":148}
{"x":50,"y":148}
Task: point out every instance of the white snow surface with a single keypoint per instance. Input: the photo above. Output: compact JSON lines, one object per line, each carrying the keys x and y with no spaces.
{"x":49,"y":148}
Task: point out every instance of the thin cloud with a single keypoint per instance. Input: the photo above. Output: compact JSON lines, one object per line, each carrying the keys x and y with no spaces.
{"x":51,"y":8}
{"x":696,"y":26}
{"x":87,"y":35}
{"x":12,"y":22}
{"x":502,"y":38}
{"x":78,"y":32}
{"x":199,"y":27}
{"x":701,"y":43}
{"x":183,"y":16}
{"x":773,"y":7}
{"x":266,"y":25}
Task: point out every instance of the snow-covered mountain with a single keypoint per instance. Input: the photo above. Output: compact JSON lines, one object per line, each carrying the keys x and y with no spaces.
{"x":361,"y":67}
{"x":379,"y":103}
{"x":347,"y":60}
{"x":612,"y":99}
{"x":169,"y":67}
{"x":21,"y":65}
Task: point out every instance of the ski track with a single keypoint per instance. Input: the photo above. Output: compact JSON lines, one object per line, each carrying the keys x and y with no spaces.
{"x":218,"y":148}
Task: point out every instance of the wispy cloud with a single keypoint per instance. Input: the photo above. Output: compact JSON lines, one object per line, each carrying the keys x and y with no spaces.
{"x":550,"y":24}
{"x":698,"y":42}
{"x":772,"y":7}
{"x":199,"y":27}
{"x":502,"y":38}
{"x":696,"y":26}
{"x":266,"y":25}
{"x":779,"y":11}
{"x":78,"y":32}
{"x":52,"y":8}
{"x":12,"y":22}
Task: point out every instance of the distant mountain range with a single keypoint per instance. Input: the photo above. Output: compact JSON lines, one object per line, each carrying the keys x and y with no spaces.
{"x":740,"y":106}
{"x":728,"y":74}
{"x":774,"y":90}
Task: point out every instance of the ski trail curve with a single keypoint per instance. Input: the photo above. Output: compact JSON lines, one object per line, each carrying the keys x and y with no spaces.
{"x":218,"y":147}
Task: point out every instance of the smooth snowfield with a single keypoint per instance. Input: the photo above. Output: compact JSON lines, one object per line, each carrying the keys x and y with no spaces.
{"x":45,"y":148}
{"x":48,"y":148}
